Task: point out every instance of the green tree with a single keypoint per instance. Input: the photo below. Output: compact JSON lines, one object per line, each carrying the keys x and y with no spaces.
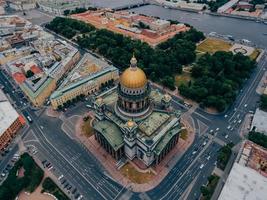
{"x":258,"y":138}
{"x":29,"y":74}
{"x":263,"y":104}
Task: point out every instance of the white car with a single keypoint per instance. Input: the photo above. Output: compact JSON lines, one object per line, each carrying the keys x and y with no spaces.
{"x":201,"y":166}
{"x":59,"y":178}
{"x":239,"y":121}
{"x":228,"y":127}
{"x":208,"y":157}
{"x":225,"y":116}
{"x":211,"y":131}
{"x":226,"y":136}
{"x":80,"y":197}
{"x":217,"y":129}
{"x":245,"y":105}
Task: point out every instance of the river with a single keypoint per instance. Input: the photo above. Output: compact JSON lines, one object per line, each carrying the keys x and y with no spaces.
{"x":113,"y":3}
{"x":238,"y":28}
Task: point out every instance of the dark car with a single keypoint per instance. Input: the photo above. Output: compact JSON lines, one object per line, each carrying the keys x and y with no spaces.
{"x":69,"y":187}
{"x":66,"y":185}
{"x":77,"y":196}
{"x":74,"y":190}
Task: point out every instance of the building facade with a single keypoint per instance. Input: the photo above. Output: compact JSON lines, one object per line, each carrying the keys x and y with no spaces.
{"x":87,"y":77}
{"x":136,"y":122}
{"x":10,"y":121}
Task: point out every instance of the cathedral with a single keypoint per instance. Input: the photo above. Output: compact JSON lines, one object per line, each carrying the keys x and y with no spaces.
{"x":134,"y":121}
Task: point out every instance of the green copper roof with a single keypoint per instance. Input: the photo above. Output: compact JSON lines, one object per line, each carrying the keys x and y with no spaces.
{"x":35,"y":94}
{"x":165,"y":140}
{"x":73,"y":85}
{"x":111,"y":133}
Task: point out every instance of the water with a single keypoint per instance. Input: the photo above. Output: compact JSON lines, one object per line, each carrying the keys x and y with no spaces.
{"x":239,"y":29}
{"x":113,"y":3}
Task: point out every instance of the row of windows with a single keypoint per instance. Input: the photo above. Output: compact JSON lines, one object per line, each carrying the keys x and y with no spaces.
{"x":132,"y":91}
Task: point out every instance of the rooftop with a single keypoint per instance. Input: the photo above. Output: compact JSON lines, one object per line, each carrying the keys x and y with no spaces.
{"x":111,"y":132}
{"x":154,"y":130}
{"x":244,"y":183}
{"x":248,"y":177}
{"x":86,"y":70}
{"x":259,"y":121}
{"x":153,"y":122}
{"x":254,"y":157}
{"x":7,"y":113}
{"x":127,"y":23}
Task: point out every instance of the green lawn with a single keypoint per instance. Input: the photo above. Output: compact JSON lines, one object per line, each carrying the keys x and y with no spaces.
{"x":255,"y":54}
{"x":135,"y":176}
{"x":211,"y":45}
{"x":184,"y":134}
{"x":183,"y":78}
{"x":87,"y":129}
{"x":29,"y":180}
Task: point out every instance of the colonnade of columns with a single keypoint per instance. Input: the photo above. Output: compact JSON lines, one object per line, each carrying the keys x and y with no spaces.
{"x":171,"y":144}
{"x":104,"y":143}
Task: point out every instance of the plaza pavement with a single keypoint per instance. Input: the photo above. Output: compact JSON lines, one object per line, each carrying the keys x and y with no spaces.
{"x":110,"y":164}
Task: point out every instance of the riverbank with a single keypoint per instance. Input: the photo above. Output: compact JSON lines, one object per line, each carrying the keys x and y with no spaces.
{"x":151,"y":2}
{"x":236,"y":27}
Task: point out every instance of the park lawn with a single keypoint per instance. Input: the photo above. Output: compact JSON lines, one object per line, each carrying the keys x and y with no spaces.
{"x":183,"y":78}
{"x":199,"y":54}
{"x":135,"y":176}
{"x":29,"y":181}
{"x":255,"y":54}
{"x":87,"y":129}
{"x":184,"y":134}
{"x":211,"y":45}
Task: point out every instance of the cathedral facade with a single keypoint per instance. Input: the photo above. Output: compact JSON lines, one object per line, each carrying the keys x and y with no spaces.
{"x":135,"y":121}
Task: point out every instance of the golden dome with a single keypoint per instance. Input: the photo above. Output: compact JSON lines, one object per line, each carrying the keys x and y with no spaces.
{"x":133,"y":77}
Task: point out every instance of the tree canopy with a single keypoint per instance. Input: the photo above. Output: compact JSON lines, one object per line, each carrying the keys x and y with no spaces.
{"x":160,"y":63}
{"x":258,"y":138}
{"x":217,"y":79}
{"x":33,"y":176}
{"x":263,"y":104}
{"x":224,"y":155}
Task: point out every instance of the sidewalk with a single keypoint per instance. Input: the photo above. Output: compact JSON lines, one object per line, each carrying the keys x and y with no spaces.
{"x":160,"y":170}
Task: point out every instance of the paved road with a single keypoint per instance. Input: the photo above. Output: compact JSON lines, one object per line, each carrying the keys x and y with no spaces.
{"x":82,"y":169}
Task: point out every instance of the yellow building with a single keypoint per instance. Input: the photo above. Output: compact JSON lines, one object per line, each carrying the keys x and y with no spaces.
{"x":39,"y":95}
{"x":86,"y":78}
